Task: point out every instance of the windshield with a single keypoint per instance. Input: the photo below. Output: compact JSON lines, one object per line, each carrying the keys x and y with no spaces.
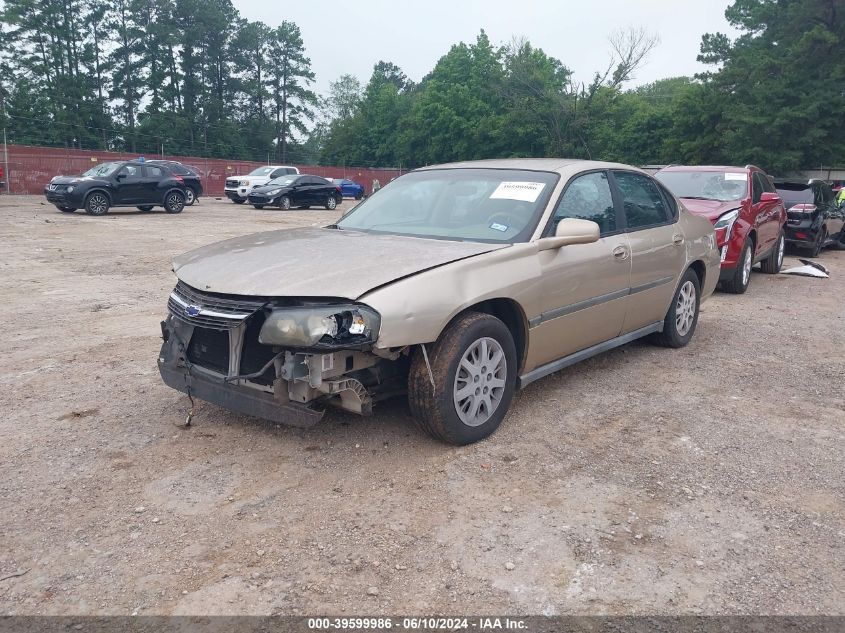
{"x":105,"y":169}
{"x":284,"y":181}
{"x":261,"y":171}
{"x":710,"y":185}
{"x":479,"y":205}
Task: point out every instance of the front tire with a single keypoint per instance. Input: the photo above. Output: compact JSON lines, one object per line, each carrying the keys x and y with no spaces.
{"x":284,"y":203}
{"x":682,"y":317}
{"x":474,"y":366}
{"x":773,"y":263}
{"x":97,"y":203}
{"x":66,"y":209}
{"x":174,"y":202}
{"x":258,"y":206}
{"x":238,"y":200}
{"x":738,"y":284}
{"x":331,"y":203}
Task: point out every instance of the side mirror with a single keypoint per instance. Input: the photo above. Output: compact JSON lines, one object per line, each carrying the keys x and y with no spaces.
{"x":571,"y":231}
{"x":120,"y":176}
{"x":768,"y":196}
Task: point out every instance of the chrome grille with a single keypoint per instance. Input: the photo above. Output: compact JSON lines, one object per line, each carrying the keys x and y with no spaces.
{"x":208,"y":310}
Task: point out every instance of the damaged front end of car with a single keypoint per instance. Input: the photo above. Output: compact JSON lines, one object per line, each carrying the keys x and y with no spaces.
{"x":277,"y":358}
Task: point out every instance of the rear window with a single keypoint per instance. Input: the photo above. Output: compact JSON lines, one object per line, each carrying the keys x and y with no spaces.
{"x":795,"y":193}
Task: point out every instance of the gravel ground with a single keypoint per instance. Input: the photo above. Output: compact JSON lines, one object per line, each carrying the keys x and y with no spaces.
{"x":703,"y":480}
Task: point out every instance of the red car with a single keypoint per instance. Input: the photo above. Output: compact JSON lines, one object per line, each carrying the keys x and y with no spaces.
{"x":746,"y":211}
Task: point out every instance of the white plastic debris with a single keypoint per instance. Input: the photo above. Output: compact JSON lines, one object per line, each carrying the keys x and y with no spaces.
{"x":809,"y":269}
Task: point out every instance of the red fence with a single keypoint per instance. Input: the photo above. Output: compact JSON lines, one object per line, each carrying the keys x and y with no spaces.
{"x":31,"y":168}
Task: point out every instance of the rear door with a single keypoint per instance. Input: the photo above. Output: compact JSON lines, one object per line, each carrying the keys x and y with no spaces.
{"x":584,"y":286}
{"x":835,"y":215}
{"x":658,"y":252}
{"x":153,"y":175}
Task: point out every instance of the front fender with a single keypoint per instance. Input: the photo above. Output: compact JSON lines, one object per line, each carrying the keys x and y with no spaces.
{"x":416,"y":309}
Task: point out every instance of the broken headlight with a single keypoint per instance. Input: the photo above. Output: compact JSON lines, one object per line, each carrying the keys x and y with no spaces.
{"x":321,"y":326}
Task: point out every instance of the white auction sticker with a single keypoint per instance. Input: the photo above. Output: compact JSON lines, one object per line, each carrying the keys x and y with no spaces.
{"x":734,"y":176}
{"x":525,"y":191}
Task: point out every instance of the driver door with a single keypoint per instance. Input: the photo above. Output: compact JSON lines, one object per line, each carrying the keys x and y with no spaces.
{"x":129,"y":185}
{"x":584,"y":286}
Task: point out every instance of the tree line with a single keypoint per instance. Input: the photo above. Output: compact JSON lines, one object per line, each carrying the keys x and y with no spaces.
{"x":191,"y":77}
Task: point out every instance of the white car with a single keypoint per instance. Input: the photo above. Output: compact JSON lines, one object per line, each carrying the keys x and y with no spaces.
{"x":237,"y":188}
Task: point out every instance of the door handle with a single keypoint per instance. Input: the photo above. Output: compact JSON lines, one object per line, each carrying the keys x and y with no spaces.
{"x":620,"y":252}
{"x":677,"y":239}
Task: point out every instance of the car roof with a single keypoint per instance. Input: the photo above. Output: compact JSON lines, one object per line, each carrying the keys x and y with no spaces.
{"x":707,"y":168}
{"x":559,"y":165}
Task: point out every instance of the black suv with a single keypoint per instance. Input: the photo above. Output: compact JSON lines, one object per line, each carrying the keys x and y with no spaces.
{"x":814,"y":219}
{"x":118,"y":184}
{"x":190,"y":175}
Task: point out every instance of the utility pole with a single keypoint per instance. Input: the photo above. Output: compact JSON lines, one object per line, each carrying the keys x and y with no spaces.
{"x":5,"y":145}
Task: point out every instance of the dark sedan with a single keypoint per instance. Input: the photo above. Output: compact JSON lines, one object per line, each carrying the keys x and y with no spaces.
{"x":814,"y":218}
{"x":118,"y":184}
{"x":299,"y":191}
{"x":190,"y":176}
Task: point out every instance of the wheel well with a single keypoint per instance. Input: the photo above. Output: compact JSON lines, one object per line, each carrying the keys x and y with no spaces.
{"x":93,"y":191}
{"x":511,"y":314}
{"x":753,"y":235}
{"x":700,"y":270}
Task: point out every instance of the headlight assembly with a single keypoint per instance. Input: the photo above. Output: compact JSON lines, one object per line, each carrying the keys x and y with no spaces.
{"x":274,"y":192}
{"x":327,"y":327}
{"x":70,"y":189}
{"x":244,"y":183}
{"x":726,"y":221}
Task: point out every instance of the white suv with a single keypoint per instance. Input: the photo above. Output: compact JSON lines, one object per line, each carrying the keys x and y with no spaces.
{"x":238,"y":187}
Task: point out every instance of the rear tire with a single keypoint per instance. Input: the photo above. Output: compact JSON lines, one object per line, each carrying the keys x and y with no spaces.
{"x":816,"y":250}
{"x":773,"y":263}
{"x":359,"y":195}
{"x":174,"y":202}
{"x":473,"y":364}
{"x":146,"y":207}
{"x":331,"y":203}
{"x":97,"y":203}
{"x":738,"y":284}
{"x":190,"y":197}
{"x":682,"y":317}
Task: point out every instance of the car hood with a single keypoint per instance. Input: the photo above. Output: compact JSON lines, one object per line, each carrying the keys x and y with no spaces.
{"x":710,"y":209}
{"x":267,"y":188}
{"x":70,"y":180}
{"x":315,"y":262}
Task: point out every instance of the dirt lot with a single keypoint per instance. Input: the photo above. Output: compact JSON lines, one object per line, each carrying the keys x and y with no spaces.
{"x":703,"y":480}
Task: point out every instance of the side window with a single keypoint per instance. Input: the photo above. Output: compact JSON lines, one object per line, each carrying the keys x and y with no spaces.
{"x":671,"y":203}
{"x":153,"y":171}
{"x":129,"y":171}
{"x":644,"y":206}
{"x":756,"y":188}
{"x":768,"y":185}
{"x":588,"y":197}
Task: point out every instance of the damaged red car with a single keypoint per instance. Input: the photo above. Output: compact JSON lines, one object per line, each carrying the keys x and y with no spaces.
{"x":746,"y":211}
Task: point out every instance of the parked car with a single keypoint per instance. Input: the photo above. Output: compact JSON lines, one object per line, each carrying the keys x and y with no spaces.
{"x":456,"y":284}
{"x":302,"y":191}
{"x":814,"y":217}
{"x":237,"y":188}
{"x":118,"y":184}
{"x":190,"y":176}
{"x":349,"y":188}
{"x":746,"y":211}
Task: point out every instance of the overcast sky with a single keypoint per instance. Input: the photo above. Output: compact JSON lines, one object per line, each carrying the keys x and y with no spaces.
{"x":349,"y":37}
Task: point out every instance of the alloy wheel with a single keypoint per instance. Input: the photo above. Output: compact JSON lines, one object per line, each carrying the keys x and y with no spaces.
{"x":781,"y":250}
{"x":98,"y":204}
{"x":685,"y":308}
{"x":175,"y":203}
{"x":746,"y":267}
{"x":480,"y":381}
{"x":331,"y":203}
{"x":189,"y":197}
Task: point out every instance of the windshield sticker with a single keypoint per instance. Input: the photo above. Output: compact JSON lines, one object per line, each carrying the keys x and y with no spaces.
{"x":730,"y":176}
{"x":525,"y":191}
{"x":499,"y":227}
